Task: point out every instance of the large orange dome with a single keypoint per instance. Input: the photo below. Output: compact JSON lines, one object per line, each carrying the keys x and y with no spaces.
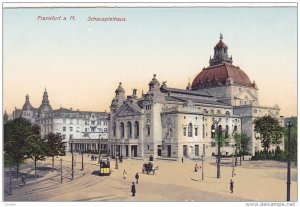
{"x":219,"y":75}
{"x":221,"y":71}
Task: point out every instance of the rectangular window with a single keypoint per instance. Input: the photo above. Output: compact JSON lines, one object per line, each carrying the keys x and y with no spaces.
{"x":71,"y":129}
{"x":92,"y":129}
{"x":92,"y":122}
{"x":99,"y":122}
{"x":148,"y":147}
{"x":71,"y":121}
{"x":196,"y":131}
{"x":71,"y":136}
{"x":105,"y":130}
{"x":64,"y":129}
{"x":196,"y":150}
{"x":184,"y":131}
{"x":77,"y":129}
{"x":86,"y":129}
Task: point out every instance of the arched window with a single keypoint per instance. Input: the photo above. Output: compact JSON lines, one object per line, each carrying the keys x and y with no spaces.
{"x":136,"y":129}
{"x":218,"y":112}
{"x":226,"y":131}
{"x":148,"y":130}
{"x":212,"y":111}
{"x":227,"y":113}
{"x":122,"y":130}
{"x":213,"y":131}
{"x":190,"y":130}
{"x":114,"y":129}
{"x":220,"y":130}
{"x":205,"y":111}
{"x":129,"y":132}
{"x":235,"y":129}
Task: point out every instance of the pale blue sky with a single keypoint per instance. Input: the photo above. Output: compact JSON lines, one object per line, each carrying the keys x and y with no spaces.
{"x":81,"y":62}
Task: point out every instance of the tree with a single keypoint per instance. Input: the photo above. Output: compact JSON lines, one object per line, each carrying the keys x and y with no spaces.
{"x":35,"y":149}
{"x":293,"y":121}
{"x":54,"y":146}
{"x":242,"y":141}
{"x":269,"y":130}
{"x":16,"y":133}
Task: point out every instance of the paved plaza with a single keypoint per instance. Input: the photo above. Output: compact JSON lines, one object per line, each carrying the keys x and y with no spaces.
{"x":174,"y":181}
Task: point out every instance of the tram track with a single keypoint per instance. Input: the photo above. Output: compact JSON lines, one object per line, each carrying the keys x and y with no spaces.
{"x":51,"y":187}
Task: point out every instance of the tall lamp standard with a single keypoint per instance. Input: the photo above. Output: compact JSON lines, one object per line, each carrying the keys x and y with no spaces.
{"x":233,"y":160}
{"x":219,"y":146}
{"x":288,"y":182}
{"x":82,"y":166}
{"x":202,"y":158}
{"x":61,"y":171}
{"x":99,"y":145}
{"x":72,"y":158}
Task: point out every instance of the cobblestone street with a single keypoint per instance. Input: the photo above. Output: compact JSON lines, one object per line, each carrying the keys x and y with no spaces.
{"x":174,"y":181}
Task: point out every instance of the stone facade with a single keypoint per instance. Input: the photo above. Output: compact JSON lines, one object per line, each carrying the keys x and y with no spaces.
{"x":86,"y":130}
{"x":175,"y":123}
{"x":169,"y":123}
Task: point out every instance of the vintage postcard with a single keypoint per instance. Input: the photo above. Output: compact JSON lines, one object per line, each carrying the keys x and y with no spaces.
{"x":150,"y":102}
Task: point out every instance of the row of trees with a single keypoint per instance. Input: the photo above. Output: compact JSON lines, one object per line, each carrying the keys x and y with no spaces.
{"x":22,"y":141}
{"x":271,"y":133}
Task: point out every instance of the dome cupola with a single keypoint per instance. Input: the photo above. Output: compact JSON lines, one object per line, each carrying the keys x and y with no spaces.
{"x":27,"y":106}
{"x":221,"y":71}
{"x":120,"y":89}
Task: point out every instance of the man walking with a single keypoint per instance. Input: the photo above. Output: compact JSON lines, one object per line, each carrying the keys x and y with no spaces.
{"x":23,"y":180}
{"x":231,"y":186}
{"x":137,"y":178}
{"x":133,"y":191}
{"x":182,"y":159}
{"x":124,"y":174}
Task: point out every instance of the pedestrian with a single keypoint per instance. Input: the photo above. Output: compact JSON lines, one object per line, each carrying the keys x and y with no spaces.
{"x":231,"y":186}
{"x":23,"y":180}
{"x":137,"y":178}
{"x":196,"y":167}
{"x":133,"y":191}
{"x":124,"y":174}
{"x":182,"y":159}
{"x":92,"y":158}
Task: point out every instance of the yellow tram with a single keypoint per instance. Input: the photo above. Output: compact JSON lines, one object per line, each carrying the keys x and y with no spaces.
{"x":104,"y":167}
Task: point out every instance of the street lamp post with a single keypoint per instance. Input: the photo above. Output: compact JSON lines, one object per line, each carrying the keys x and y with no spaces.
{"x":219,"y":149}
{"x":10,"y":187}
{"x":235,"y":145}
{"x":82,"y":167}
{"x":72,"y":159}
{"x":288,"y":183}
{"x":202,"y":157}
{"x":61,"y":171}
{"x":233,"y":159}
{"x":99,"y":146}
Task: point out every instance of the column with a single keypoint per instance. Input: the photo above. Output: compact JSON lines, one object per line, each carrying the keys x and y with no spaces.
{"x":129,"y":151}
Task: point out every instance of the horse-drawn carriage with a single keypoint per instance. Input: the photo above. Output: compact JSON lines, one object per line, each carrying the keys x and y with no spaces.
{"x":148,"y":168}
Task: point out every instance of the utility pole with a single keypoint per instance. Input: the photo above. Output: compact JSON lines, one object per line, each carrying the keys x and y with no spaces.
{"x":82,"y":167}
{"x":61,"y":171}
{"x":202,"y":156}
{"x":288,"y":183}
{"x":72,"y":160}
